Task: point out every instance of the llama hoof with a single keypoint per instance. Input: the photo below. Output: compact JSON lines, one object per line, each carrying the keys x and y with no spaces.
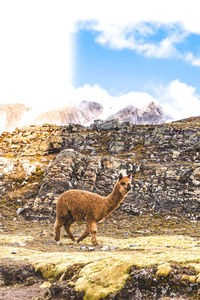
{"x":95,"y":244}
{"x":59,"y":243}
{"x":105,"y":248}
{"x":83,"y":248}
{"x":91,"y":248}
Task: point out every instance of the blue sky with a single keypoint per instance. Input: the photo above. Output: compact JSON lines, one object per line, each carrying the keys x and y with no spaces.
{"x":57,"y":53}
{"x":123,"y":70}
{"x":142,"y":58}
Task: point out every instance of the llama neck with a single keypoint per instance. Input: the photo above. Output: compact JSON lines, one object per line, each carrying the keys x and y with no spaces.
{"x":113,"y":200}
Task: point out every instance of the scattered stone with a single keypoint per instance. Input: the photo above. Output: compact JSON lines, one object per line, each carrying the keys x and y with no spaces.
{"x":91,"y":248}
{"x":83,"y":248}
{"x":164,"y":160}
{"x":19,"y":244}
{"x":59,"y":243}
{"x":143,"y":284}
{"x":19,"y":210}
{"x":105,"y":248}
{"x":107,"y":125}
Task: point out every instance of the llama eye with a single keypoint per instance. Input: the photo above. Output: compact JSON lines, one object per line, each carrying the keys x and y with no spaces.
{"x":122,"y":183}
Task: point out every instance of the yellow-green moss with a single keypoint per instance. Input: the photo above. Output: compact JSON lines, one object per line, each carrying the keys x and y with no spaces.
{"x":45,"y":285}
{"x":198,"y":278}
{"x":102,"y":277}
{"x":163,"y":270}
{"x":10,"y":239}
{"x":107,"y":271}
{"x":191,"y":279}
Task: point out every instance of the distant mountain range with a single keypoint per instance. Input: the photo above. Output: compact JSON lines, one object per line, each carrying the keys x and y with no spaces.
{"x":80,"y":114}
{"x":16,"y":115}
{"x":11,"y":115}
{"x":152,"y":114}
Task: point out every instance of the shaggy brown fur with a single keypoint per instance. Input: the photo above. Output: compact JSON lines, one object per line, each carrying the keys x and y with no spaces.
{"x":78,"y":205}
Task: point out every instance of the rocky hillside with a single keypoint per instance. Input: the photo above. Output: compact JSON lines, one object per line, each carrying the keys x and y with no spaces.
{"x":148,"y":248}
{"x":37,"y":163}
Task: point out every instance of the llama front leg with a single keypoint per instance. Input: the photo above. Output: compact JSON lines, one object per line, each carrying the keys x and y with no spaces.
{"x":84,"y":235}
{"x":93,"y":231}
{"x":57,"y":227}
{"x":67,"y":226}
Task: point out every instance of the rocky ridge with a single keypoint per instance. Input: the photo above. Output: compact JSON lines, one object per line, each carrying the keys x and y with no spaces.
{"x":37,"y":163}
{"x":152,"y":114}
{"x":16,"y":114}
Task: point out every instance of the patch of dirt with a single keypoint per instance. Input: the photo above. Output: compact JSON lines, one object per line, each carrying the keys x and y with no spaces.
{"x":22,"y":274}
{"x":19,"y":281}
{"x":22,"y":292}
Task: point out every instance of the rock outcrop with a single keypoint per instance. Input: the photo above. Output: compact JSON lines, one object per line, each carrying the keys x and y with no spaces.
{"x":37,"y":163}
{"x":80,"y":114}
{"x":152,"y":114}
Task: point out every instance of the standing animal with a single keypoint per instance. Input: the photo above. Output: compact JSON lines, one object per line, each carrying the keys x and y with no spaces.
{"x":79,"y":205}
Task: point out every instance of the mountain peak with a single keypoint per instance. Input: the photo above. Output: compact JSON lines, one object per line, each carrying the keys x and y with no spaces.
{"x":151,"y":114}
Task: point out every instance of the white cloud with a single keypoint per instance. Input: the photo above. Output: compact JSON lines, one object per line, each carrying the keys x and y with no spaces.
{"x":111,"y":104}
{"x":118,"y":24}
{"x":36,"y":53}
{"x":179,"y":100}
{"x":128,"y":12}
{"x":138,"y":36}
{"x":195,"y":61}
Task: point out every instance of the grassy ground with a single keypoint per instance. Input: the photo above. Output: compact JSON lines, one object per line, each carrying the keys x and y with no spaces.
{"x":162,"y":242}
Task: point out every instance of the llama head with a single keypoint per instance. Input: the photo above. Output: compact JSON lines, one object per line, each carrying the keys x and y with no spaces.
{"x":124,"y":184}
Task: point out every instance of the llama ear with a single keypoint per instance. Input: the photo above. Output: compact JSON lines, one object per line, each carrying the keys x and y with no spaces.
{"x":130,"y":176}
{"x":120,"y":176}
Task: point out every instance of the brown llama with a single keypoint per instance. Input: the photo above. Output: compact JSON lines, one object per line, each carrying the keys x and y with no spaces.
{"x":79,"y":205}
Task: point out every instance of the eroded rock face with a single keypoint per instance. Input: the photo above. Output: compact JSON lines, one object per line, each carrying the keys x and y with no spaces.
{"x":164,"y":190}
{"x":164,"y":160}
{"x":81,"y":114}
{"x":152,"y":114}
{"x":72,"y":170}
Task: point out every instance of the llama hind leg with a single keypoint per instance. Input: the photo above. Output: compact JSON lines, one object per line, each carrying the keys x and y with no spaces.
{"x":84,"y":234}
{"x":93,"y":231}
